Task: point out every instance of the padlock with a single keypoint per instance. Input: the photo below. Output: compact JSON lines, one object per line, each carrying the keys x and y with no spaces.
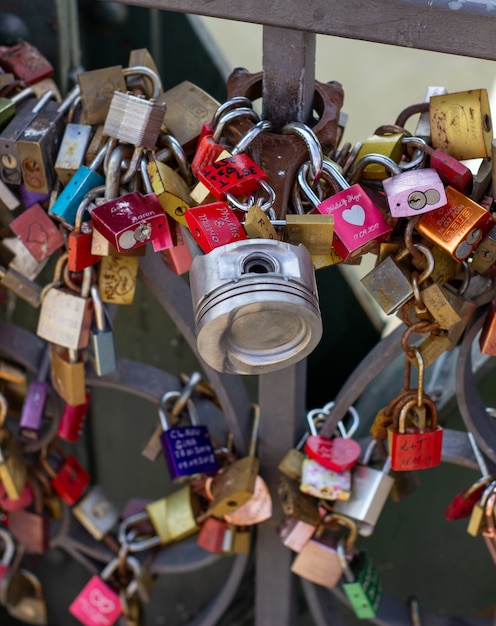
{"x":489,"y":533}
{"x":74,"y":193}
{"x":297,"y":504}
{"x":388,"y":144}
{"x":96,"y":513}
{"x":358,"y":223}
{"x":363,"y":586}
{"x":484,"y":256}
{"x":256,"y":510}
{"x":451,"y":171}
{"x":97,"y":89}
{"x":98,"y":604}
{"x":487,"y":337}
{"x":188,"y":450}
{"x":457,"y":228}
{"x":370,"y":488}
{"x":237,"y":291}
{"x":314,"y":231}
{"x":413,"y":448}
{"x":8,"y":105}
{"x":117,"y":276}
{"x":72,"y":150}
{"x":398,"y":279}
{"x":37,"y":232}
{"x":130,"y":221}
{"x":461,"y":124}
{"x":26,"y":62}
{"x":101,"y":345}
{"x":292,"y":461}
{"x":178,"y":259}
{"x":13,"y":467}
{"x":414,"y":192}
{"x":235,"y":485}
{"x":336,"y":454}
{"x":175,"y":516}
{"x":22,"y":262}
{"x":13,"y":585}
{"x":478,"y":520}
{"x":295,"y":533}
{"x":10,"y":165}
{"x":214,"y":225}
{"x":9,"y":204}
{"x":25,"y":499}
{"x":323,"y":483}
{"x":26,"y":289}
{"x":171,"y":190}
{"x":32,"y":607}
{"x":65,"y":316}
{"x":79,"y":240}
{"x":318,"y":560}
{"x":67,"y":374}
{"x":72,"y":420}
{"x":38,"y":145}
{"x":31,"y":526}
{"x":70,"y":480}
{"x":462,"y":504}
{"x":33,"y":409}
{"x":481,"y":181}
{"x":257,"y":224}
{"x":211,"y":535}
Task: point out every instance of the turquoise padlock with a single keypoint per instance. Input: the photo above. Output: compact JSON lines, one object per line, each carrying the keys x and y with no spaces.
{"x":363,"y":586}
{"x":69,"y":199}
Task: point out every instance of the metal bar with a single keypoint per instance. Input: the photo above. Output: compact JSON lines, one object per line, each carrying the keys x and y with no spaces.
{"x":462,"y":28}
{"x":288,"y":75}
{"x":282,"y":406}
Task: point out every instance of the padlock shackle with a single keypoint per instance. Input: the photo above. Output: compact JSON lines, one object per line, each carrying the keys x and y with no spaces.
{"x":142,"y":70}
{"x":9,"y":547}
{"x":375,"y":158}
{"x":250,"y":135}
{"x":312,"y":143}
{"x":230,"y":116}
{"x":343,"y":561}
{"x":83,"y":206}
{"x":229,"y":105}
{"x":133,"y":545}
{"x":180,"y":156}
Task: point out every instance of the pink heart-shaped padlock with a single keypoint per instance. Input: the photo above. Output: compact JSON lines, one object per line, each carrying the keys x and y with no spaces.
{"x":337,"y":454}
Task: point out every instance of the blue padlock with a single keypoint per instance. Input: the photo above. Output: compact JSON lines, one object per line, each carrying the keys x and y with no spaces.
{"x":69,"y":199}
{"x":188,"y":450}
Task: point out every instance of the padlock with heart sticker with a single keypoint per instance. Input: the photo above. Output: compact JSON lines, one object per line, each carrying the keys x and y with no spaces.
{"x":37,"y":232}
{"x":337,"y":453}
{"x":358,"y":222}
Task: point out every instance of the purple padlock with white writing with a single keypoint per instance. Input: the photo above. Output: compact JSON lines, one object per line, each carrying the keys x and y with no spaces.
{"x":414,"y":192}
{"x":188,"y":450}
{"x":33,"y":408}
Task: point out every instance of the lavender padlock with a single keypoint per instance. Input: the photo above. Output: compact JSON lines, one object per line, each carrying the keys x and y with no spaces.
{"x":188,"y":450}
{"x":414,"y":192}
{"x":33,"y":408}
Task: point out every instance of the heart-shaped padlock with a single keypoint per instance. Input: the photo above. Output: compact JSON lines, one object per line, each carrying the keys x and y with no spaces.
{"x":334,"y":453}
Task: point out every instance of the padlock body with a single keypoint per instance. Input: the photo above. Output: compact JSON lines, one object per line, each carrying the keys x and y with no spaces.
{"x":72,"y":420}
{"x":415,"y":449}
{"x":65,"y":319}
{"x":130,"y":221}
{"x":25,"y":500}
{"x":37,"y":232}
{"x":457,"y":228}
{"x":358,"y":223}
{"x":321,"y":482}
{"x":451,"y":171}
{"x":10,"y":168}
{"x":207,"y":151}
{"x":318,"y":562}
{"x":295,"y":533}
{"x":188,"y":451}
{"x":30,"y":529}
{"x":487,"y":338}
{"x":171,"y":190}
{"x":461,"y":124}
{"x":72,"y":150}
{"x":13,"y":468}
{"x":26,"y":62}
{"x":174,"y":517}
{"x":214,"y":225}
{"x":211,"y":535}
{"x":177,"y":259}
{"x":291,"y":463}
{"x":117,"y":279}
{"x":389,"y":145}
{"x":396,"y":277}
{"x":238,"y":175}
{"x":101,"y":348}
{"x":71,"y":481}
{"x":97,"y":604}
{"x":69,"y":199}
{"x":96,"y":513}
{"x":235,"y":486}
{"x":33,"y":410}
{"x":369,"y":491}
{"x":366,"y":592}
{"x":79,"y":248}
{"x":414,"y":192}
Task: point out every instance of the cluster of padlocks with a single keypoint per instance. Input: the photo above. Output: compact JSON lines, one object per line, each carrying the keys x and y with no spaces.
{"x":250,"y":211}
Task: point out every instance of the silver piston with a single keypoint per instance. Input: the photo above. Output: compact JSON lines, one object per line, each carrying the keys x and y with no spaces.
{"x":256,"y":306}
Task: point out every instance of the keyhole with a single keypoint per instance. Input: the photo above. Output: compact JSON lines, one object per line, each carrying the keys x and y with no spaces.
{"x":258,"y":265}
{"x":487,"y":123}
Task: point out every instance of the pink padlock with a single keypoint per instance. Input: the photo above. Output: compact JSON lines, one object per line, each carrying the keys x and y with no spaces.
{"x":414,"y":192}
{"x":358,"y":223}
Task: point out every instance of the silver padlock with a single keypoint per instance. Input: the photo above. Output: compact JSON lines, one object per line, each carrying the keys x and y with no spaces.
{"x":256,"y":306}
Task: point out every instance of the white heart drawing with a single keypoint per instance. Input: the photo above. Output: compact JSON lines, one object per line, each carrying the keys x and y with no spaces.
{"x":355,"y":215}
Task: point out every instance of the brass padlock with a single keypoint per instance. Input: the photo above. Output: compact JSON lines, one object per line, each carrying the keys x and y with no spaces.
{"x":175,"y":516}
{"x":13,"y":468}
{"x":67,"y":374}
{"x":32,"y":608}
{"x":96,"y":513}
{"x":256,"y":306}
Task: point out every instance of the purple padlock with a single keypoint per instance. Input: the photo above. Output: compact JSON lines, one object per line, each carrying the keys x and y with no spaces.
{"x":188,"y":450}
{"x":33,"y":409}
{"x":414,"y":192}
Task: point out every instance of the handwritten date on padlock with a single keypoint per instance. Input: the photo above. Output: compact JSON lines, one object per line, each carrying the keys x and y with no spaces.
{"x":416,"y":450}
{"x":238,"y":175}
{"x":337,"y":454}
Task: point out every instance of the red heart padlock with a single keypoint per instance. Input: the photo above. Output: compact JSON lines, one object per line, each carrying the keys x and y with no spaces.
{"x":462,"y":504}
{"x":336,"y":454}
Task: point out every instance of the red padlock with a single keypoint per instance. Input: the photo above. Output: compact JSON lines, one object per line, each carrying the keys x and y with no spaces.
{"x":214,"y":225}
{"x":462,"y":504}
{"x":72,"y":420}
{"x":26,"y":63}
{"x":71,"y":479}
{"x":25,"y":500}
{"x":37,"y":232}
{"x":79,"y":239}
{"x":178,"y":258}
{"x":413,"y":447}
{"x":234,"y":176}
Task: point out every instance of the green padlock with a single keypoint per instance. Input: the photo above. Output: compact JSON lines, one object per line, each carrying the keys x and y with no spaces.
{"x":363,"y":586}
